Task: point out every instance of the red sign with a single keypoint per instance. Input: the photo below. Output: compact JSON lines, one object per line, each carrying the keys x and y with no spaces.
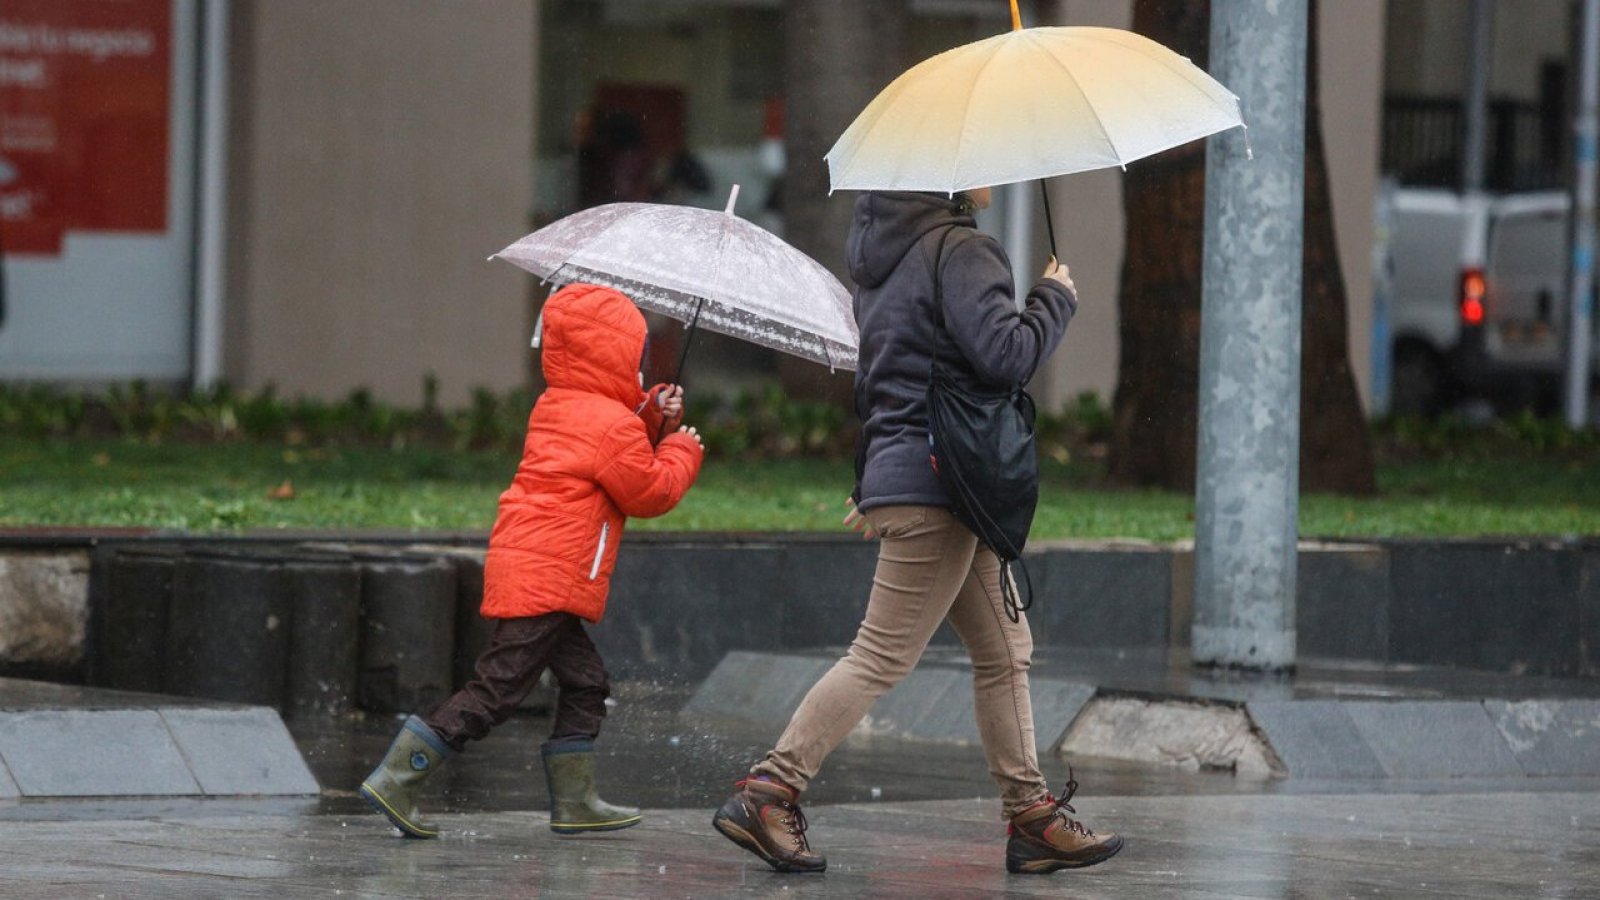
{"x":84,"y":102}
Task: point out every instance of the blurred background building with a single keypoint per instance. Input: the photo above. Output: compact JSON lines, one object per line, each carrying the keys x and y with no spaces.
{"x":303,"y":192}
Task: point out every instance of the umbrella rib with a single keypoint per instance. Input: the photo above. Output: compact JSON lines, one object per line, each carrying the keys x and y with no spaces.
{"x":621,"y":217}
{"x":1179,"y":65}
{"x":722,"y":252}
{"x":955,"y":162}
{"x":1087,"y":102}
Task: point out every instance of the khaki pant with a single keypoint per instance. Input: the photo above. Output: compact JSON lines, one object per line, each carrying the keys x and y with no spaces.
{"x":929,"y":567}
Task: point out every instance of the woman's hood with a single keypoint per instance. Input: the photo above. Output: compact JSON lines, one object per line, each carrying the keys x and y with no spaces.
{"x":593,"y":341}
{"x":887,"y":224}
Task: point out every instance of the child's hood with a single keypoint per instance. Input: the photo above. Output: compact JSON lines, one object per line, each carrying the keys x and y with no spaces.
{"x":594,"y":341}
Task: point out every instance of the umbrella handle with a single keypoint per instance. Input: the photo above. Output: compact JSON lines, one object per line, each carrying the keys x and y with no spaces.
{"x":677,"y":377}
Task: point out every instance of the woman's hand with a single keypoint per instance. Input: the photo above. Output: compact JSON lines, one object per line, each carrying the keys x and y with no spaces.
{"x":857,"y":522}
{"x":691,"y":432}
{"x":1057,"y":272}
{"x":670,"y":402}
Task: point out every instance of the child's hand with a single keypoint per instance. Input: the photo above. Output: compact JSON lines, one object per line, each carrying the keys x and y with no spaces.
{"x":670,"y":402}
{"x":691,"y":432}
{"x":855,"y":520}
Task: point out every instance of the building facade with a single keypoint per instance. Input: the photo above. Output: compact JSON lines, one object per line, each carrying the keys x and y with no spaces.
{"x":303,"y":193}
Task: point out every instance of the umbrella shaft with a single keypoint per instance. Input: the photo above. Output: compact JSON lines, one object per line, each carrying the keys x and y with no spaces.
{"x":1049,"y":221}
{"x":683,"y":356}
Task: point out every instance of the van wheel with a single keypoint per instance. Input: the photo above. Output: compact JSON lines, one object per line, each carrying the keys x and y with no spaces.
{"x":1416,"y":386}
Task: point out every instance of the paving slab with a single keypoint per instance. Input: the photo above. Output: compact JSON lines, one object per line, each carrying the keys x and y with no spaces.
{"x":72,"y":741}
{"x":1443,"y":739}
{"x":1316,"y":739}
{"x":924,"y":692}
{"x":239,"y":751}
{"x":949,"y":718}
{"x":1550,"y":737}
{"x":1056,"y":705}
{"x":762,"y":687}
{"x":1334,"y":719}
{"x":88,"y":753}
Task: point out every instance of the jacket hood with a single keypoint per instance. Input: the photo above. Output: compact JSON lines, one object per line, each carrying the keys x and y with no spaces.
{"x":594,"y":341}
{"x":887,"y":224}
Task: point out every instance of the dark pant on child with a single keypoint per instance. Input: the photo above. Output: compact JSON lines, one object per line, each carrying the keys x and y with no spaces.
{"x":519,"y":651}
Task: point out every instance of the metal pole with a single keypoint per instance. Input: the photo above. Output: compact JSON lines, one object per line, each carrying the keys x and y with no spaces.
{"x":1580,"y":318}
{"x":8,"y":174}
{"x":1247,"y":483}
{"x":1383,"y":297}
{"x":1019,"y":235}
{"x":212,"y":228}
{"x":1474,"y":155}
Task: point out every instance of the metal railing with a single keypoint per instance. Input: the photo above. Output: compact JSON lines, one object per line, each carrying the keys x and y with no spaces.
{"x":1423,"y":140}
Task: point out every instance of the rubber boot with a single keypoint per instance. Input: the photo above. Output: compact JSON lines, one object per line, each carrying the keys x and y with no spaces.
{"x":575,"y":807}
{"x":417,"y":752}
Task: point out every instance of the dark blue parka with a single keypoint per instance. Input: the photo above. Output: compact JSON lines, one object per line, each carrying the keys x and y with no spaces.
{"x":893,"y":242}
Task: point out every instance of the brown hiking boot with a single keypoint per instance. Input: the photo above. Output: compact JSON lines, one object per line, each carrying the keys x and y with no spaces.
{"x":1044,"y":838}
{"x":764,"y":817}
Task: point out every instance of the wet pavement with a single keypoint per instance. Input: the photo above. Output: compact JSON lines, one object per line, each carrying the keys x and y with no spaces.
{"x":894,"y":818}
{"x":1279,"y":846}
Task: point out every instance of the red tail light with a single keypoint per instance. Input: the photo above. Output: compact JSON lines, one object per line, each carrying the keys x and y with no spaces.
{"x":1472,"y":291}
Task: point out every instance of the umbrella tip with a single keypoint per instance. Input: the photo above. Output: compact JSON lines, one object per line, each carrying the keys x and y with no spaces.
{"x":733,"y":197}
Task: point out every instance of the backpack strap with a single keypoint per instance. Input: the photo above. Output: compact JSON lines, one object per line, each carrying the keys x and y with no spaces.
{"x":938,"y":282}
{"x":1010,"y":598}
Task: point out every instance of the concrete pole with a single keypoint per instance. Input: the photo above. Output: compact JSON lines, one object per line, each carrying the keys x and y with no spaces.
{"x":1580,"y":318}
{"x":1475,"y":141}
{"x":1248,"y":480}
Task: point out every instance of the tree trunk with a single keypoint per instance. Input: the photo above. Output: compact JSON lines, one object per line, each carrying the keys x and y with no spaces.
{"x":1163,"y":198}
{"x":1335,"y":443}
{"x":838,"y":54}
{"x":1156,"y":401}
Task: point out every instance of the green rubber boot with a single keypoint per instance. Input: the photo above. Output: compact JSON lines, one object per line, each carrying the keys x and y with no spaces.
{"x":417,"y":752}
{"x":575,"y":808}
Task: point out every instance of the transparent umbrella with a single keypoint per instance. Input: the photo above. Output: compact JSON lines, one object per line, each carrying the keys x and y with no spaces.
{"x":703,"y":267}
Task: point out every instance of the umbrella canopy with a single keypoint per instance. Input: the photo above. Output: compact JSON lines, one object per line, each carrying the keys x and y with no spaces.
{"x":1031,"y":103}
{"x":703,"y":267}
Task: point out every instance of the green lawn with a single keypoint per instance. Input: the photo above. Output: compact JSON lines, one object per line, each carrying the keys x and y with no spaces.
{"x":224,"y":487}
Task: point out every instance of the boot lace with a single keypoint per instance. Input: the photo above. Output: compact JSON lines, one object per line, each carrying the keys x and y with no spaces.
{"x":1064,"y":806}
{"x":795,"y":821}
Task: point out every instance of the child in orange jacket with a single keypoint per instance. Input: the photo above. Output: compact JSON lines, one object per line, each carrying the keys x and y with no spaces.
{"x":591,"y":459}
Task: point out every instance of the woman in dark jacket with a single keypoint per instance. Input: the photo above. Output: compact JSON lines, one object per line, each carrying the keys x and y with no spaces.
{"x":905,"y":249}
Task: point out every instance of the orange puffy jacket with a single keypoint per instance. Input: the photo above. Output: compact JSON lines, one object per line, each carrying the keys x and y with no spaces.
{"x":589,"y":462}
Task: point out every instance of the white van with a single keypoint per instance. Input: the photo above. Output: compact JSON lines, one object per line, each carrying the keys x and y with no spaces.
{"x":1479,"y":298}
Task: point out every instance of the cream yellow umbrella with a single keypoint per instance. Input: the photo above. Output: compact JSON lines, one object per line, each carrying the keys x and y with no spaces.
{"x":1031,"y":103}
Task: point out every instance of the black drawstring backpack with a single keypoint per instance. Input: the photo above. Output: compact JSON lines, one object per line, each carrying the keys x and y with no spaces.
{"x":981,"y":445}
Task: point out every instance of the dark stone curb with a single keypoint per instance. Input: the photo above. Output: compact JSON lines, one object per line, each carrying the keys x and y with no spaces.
{"x":389,"y":624}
